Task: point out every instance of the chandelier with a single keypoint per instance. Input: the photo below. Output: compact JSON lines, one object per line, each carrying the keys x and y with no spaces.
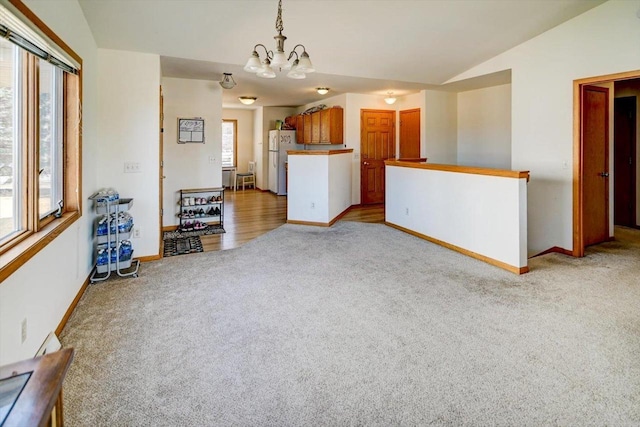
{"x":298,"y":65}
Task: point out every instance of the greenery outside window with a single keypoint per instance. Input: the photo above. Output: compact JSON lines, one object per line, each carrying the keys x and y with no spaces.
{"x":229,"y":142}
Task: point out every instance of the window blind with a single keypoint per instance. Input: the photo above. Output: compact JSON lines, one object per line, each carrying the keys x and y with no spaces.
{"x":18,"y":32}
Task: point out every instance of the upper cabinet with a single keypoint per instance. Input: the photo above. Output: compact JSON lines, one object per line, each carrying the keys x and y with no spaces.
{"x":322,"y":127}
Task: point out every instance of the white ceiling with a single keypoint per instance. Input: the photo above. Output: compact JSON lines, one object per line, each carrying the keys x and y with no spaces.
{"x":360,"y":46}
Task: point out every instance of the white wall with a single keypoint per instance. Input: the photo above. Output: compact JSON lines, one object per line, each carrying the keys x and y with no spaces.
{"x":441,"y":128}
{"x":190,"y":165}
{"x":484,"y":127}
{"x":308,"y":189}
{"x":244,"y":153}
{"x":42,"y":290}
{"x":129,"y":129}
{"x":319,"y":187}
{"x":480,"y":213}
{"x":603,"y":40}
{"x":339,"y":188}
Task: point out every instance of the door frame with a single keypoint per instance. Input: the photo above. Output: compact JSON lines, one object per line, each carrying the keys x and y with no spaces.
{"x":578,"y":170}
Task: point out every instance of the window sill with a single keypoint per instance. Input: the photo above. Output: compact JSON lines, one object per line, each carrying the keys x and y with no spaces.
{"x":18,"y":255}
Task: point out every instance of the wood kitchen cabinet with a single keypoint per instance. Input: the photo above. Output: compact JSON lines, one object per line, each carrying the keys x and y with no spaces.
{"x":300,"y":129}
{"x":331,"y":126}
{"x":322,"y":127}
{"x":307,"y":129}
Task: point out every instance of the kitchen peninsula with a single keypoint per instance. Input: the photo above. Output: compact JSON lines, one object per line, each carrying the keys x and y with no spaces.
{"x":319,"y":188}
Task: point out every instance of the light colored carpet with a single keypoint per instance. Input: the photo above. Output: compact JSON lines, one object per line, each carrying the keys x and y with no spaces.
{"x":359,"y":324}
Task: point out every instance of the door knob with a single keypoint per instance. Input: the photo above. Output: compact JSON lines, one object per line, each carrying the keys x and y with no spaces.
{"x":604,"y":174}
{"x":366,"y":163}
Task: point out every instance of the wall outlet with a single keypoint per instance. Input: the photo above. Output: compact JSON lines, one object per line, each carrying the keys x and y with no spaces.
{"x":132,"y":167}
{"x":406,"y":211}
{"x":212,"y":159}
{"x":23,"y":330}
{"x":313,"y":205}
{"x":136,"y":233}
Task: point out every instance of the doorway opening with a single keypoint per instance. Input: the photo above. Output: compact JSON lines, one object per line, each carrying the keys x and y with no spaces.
{"x":605,"y":189}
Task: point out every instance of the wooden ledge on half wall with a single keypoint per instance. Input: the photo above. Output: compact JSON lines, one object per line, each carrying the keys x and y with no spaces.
{"x":459,"y":169}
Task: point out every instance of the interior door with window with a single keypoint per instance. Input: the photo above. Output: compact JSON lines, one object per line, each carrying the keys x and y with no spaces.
{"x":377,"y":144}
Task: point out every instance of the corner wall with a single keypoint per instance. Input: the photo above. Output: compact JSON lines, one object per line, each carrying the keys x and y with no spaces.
{"x":129,"y":129}
{"x":190,"y":165}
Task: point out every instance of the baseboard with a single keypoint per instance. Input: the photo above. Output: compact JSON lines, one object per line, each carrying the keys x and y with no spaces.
{"x":488,"y":260}
{"x":72,"y":307}
{"x":555,"y":249}
{"x":339,"y":216}
{"x":316,"y":224}
{"x":321,"y":224}
{"x":149,"y":258}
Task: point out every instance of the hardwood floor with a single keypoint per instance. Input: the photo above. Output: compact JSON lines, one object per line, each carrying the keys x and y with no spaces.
{"x":252,"y":213}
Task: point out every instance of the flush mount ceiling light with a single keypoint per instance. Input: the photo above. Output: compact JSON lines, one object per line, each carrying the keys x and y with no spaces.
{"x":247,"y":100}
{"x":227,"y":81}
{"x":323,"y":90}
{"x":390,"y":99}
{"x":265,"y":68}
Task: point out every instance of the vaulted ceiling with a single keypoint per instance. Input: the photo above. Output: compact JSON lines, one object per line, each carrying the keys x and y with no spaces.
{"x":360,"y":46}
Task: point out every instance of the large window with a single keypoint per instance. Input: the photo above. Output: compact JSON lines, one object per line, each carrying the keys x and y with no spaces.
{"x":229,"y":142}
{"x":39,"y":140}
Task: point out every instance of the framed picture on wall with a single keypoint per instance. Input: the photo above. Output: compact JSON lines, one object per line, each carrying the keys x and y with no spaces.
{"x":191,"y":130}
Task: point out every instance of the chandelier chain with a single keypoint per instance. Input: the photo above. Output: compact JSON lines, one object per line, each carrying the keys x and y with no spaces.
{"x":279,"y":24}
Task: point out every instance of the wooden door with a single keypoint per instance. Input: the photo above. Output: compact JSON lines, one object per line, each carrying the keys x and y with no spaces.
{"x":595,"y":146}
{"x":624,"y":163}
{"x":377,"y":144}
{"x":410,"y":134}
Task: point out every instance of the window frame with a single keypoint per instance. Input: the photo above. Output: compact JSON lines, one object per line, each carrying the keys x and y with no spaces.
{"x":37,"y":233}
{"x":235,"y":143}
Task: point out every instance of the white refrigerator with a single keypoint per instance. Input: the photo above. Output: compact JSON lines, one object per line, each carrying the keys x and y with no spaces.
{"x":279,"y":142}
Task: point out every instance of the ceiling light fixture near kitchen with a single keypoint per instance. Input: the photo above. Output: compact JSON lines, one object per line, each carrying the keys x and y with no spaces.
{"x":247,"y":100}
{"x":390,"y":99}
{"x":227,"y":81}
{"x":265,"y":68}
{"x":323,"y":90}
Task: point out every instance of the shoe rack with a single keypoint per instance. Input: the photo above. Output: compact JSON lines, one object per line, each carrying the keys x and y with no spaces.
{"x":201,"y":208}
